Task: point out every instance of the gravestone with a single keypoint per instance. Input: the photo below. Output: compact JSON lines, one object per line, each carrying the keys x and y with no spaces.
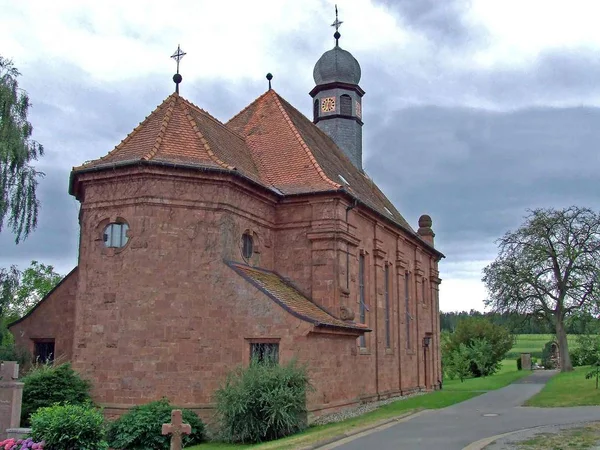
{"x":11,"y":394}
{"x":525,"y":361}
{"x":176,"y":429}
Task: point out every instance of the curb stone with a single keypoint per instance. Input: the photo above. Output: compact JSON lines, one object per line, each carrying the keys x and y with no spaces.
{"x":373,"y":426}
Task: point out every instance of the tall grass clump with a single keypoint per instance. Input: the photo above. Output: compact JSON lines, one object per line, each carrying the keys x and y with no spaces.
{"x":262,"y":402}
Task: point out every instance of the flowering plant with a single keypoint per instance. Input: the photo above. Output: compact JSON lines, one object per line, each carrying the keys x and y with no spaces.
{"x":21,"y":444}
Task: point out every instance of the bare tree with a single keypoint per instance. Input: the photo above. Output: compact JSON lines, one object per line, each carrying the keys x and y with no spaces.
{"x":549,"y":267}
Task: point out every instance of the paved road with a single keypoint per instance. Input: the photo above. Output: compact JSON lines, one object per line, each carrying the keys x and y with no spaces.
{"x":457,"y":426}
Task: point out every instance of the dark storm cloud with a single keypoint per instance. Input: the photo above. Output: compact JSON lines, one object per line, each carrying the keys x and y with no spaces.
{"x":476,"y":172}
{"x":441,"y":21}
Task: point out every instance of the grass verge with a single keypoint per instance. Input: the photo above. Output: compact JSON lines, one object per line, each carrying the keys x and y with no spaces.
{"x":486,"y":384}
{"x":568,"y":389}
{"x":453,"y":392}
{"x":577,"y":438}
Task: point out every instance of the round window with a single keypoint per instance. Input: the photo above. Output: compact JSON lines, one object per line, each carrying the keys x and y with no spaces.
{"x":115,"y":235}
{"x":247,"y":246}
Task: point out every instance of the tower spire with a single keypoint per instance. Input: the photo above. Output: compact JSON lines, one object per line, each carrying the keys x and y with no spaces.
{"x":336,"y":24}
{"x":177,"y":57}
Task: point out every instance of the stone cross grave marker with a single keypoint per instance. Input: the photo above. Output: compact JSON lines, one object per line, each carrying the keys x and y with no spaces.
{"x":176,"y":429}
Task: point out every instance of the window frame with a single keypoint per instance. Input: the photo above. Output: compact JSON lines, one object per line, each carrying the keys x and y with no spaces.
{"x":51,"y":355}
{"x":407,"y":309}
{"x":262,"y":344}
{"x":247,"y":244}
{"x":386,"y":281}
{"x":108,"y":237}
{"x":361,"y":297}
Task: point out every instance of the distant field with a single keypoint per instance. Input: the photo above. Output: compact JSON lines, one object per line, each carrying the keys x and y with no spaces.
{"x":534,"y":344}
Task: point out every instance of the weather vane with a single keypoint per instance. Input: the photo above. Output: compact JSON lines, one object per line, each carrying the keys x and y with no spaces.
{"x":336,"y":24}
{"x":177,"y":57}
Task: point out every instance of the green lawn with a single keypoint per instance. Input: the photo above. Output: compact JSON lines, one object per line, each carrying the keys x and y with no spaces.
{"x":568,"y":389}
{"x":534,"y":344}
{"x":453,"y":392}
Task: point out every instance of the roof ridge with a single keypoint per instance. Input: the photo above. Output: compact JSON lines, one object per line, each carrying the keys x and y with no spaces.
{"x":250,"y":104}
{"x":311,"y":157}
{"x":204,"y":142}
{"x":128,"y":137}
{"x":213,"y":118}
{"x":163,"y":127}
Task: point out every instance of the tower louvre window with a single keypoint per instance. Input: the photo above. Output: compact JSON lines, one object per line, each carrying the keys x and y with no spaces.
{"x":345,"y":105}
{"x":316,"y":109}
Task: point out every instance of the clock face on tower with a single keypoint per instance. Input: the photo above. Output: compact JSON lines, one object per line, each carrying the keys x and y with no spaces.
{"x":328,"y":104}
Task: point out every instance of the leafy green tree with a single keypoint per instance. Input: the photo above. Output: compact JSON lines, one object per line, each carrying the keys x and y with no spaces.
{"x":459,"y":363}
{"x":470,"y":332}
{"x":549,"y":267}
{"x":36,"y":281}
{"x":18,"y":178}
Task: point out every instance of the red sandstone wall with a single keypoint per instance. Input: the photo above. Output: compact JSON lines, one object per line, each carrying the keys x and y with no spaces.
{"x":166,"y":317}
{"x":53,"y":318}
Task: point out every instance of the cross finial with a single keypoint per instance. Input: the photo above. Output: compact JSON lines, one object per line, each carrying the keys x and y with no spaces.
{"x":176,"y":428}
{"x":336,"y":24}
{"x":177,"y":57}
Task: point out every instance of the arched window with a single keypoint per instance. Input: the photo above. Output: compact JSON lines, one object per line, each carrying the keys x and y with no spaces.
{"x":115,"y":235}
{"x":345,"y":105}
{"x":316,"y":109}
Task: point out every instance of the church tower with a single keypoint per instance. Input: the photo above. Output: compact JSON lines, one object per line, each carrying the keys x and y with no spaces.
{"x":337,"y":99}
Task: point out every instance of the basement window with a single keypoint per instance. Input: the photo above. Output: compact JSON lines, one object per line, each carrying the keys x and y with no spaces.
{"x":264,"y":353}
{"x":43,"y":351}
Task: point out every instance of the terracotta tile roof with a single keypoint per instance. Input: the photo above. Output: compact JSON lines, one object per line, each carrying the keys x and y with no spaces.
{"x":295,"y":156}
{"x":291,"y":299}
{"x":179,"y":132}
{"x":269,"y":142}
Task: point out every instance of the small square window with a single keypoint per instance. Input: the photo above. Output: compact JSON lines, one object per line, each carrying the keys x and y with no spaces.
{"x":264,"y":353}
{"x":44,"y":351}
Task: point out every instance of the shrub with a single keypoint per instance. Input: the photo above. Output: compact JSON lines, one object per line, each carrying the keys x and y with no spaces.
{"x":11,"y":352}
{"x":69,"y":427}
{"x":520,"y":364}
{"x":459,"y":363}
{"x":469,"y":331}
{"x":47,"y":385}
{"x":141,"y":428}
{"x":587,"y":351}
{"x":261,"y":402}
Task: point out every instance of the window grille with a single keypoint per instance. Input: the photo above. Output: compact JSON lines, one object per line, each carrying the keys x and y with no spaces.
{"x":262,"y":353}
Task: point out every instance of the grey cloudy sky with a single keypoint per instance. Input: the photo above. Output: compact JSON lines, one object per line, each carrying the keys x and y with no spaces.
{"x":475,"y":110}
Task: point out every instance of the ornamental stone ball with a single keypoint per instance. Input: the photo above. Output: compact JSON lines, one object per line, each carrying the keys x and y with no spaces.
{"x":425,"y":221}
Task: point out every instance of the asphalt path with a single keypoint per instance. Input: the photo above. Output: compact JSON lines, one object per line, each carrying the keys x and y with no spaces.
{"x":489,"y":414}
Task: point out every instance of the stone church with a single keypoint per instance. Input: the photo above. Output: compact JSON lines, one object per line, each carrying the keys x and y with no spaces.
{"x":204,"y":244}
